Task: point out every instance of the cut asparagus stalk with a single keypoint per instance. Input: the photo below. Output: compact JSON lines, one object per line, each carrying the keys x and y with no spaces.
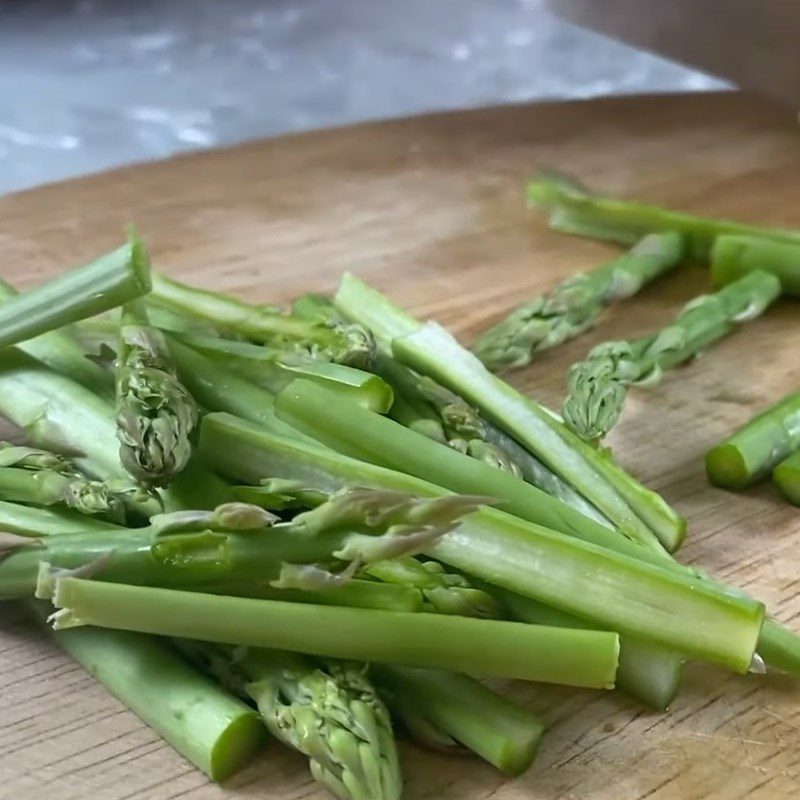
{"x":501,"y":732}
{"x":659,"y":601}
{"x":27,"y":521}
{"x":648,"y":672}
{"x":61,"y":352}
{"x":574,"y":209}
{"x":598,"y":386}
{"x":754,"y":450}
{"x":780,"y":648}
{"x":155,"y":413}
{"x":574,"y":305}
{"x":432,"y":351}
{"x":735,"y":256}
{"x":787,"y":478}
{"x":113,"y":279}
{"x":334,"y":717}
{"x":217,"y":732}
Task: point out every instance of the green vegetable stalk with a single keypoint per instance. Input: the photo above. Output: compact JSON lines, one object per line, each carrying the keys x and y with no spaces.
{"x":574,"y":305}
{"x":597,"y":387}
{"x":786,"y":477}
{"x":28,"y":521}
{"x":732,"y":257}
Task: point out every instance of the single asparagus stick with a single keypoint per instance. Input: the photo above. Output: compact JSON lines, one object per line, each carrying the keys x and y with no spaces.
{"x":574,"y":305}
{"x":503,"y":733}
{"x":780,"y":648}
{"x":217,"y":732}
{"x":27,"y":521}
{"x":786,"y":477}
{"x":735,"y":256}
{"x":60,"y":351}
{"x":648,"y":672}
{"x":754,"y":450}
{"x":478,"y":646}
{"x":658,"y":600}
{"x":345,"y":343}
{"x":334,"y":717}
{"x":155,"y":413}
{"x":599,"y":385}
{"x":115,"y":278}
{"x":574,"y":209}
{"x":432,"y":351}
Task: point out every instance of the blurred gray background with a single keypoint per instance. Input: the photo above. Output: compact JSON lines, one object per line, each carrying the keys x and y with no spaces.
{"x":91,"y":84}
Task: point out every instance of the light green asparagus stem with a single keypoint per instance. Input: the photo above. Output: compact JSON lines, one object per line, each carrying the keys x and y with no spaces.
{"x":574,"y":305}
{"x":279,"y":494}
{"x":432,"y":351}
{"x":754,"y":450}
{"x":780,"y":648}
{"x":273,"y":372}
{"x":501,"y":732}
{"x":61,"y":352}
{"x":786,"y":477}
{"x":217,"y":732}
{"x":598,"y":386}
{"x":574,"y":209}
{"x":343,"y":343}
{"x":657,"y":600}
{"x":155,"y":413}
{"x":27,"y":521}
{"x":115,"y":278}
{"x":334,"y":717}
{"x":735,"y":256}
{"x":648,"y":672}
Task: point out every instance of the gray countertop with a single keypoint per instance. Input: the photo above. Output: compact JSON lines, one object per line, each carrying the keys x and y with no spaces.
{"x":93,"y":84}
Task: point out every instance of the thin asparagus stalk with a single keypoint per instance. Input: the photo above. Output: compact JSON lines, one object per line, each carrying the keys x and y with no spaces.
{"x":658,"y":600}
{"x":754,"y":450}
{"x":113,"y":279}
{"x":432,"y":351}
{"x":735,"y":256}
{"x":786,"y":477}
{"x":598,"y":386}
{"x":60,"y":351}
{"x":780,"y":648}
{"x":477,"y":646}
{"x":344,"y":343}
{"x":574,"y":209}
{"x":27,"y":521}
{"x":155,"y":413}
{"x":575,"y":305}
{"x":334,"y":717}
{"x":648,"y":672}
{"x":501,"y":732}
{"x":217,"y":732}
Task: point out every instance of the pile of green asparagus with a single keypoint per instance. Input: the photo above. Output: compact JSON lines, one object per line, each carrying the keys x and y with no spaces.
{"x":330,"y":523}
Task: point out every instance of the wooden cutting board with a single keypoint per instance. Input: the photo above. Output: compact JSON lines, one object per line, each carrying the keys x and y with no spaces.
{"x":431,"y":210}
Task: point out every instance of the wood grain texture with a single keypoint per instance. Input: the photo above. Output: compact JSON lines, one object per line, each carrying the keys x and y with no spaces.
{"x":431,"y":209}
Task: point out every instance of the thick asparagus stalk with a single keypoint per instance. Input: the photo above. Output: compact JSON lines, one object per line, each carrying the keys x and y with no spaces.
{"x":598,"y":386}
{"x":432,"y":351}
{"x":113,"y":279}
{"x":217,"y":732}
{"x":786,"y":477}
{"x":334,"y":717}
{"x":500,"y":731}
{"x":735,"y":256}
{"x":574,"y":305}
{"x":574,"y":209}
{"x":658,"y":600}
{"x":27,"y":521}
{"x":477,"y":646}
{"x":754,"y":450}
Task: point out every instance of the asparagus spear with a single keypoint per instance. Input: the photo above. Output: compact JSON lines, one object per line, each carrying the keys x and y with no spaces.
{"x":574,"y":305}
{"x":786,"y":477}
{"x":574,"y":209}
{"x":735,"y":256}
{"x":334,"y":716}
{"x":329,"y":340}
{"x":754,"y":450}
{"x":457,"y":706}
{"x":598,"y":386}
{"x":217,"y":732}
{"x":432,"y":351}
{"x":477,"y":646}
{"x":115,"y":278}
{"x":651,"y":598}
{"x":27,"y":521}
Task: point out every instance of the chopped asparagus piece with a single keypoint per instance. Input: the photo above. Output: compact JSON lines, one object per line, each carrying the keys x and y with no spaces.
{"x":787,"y":477}
{"x":735,"y":256}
